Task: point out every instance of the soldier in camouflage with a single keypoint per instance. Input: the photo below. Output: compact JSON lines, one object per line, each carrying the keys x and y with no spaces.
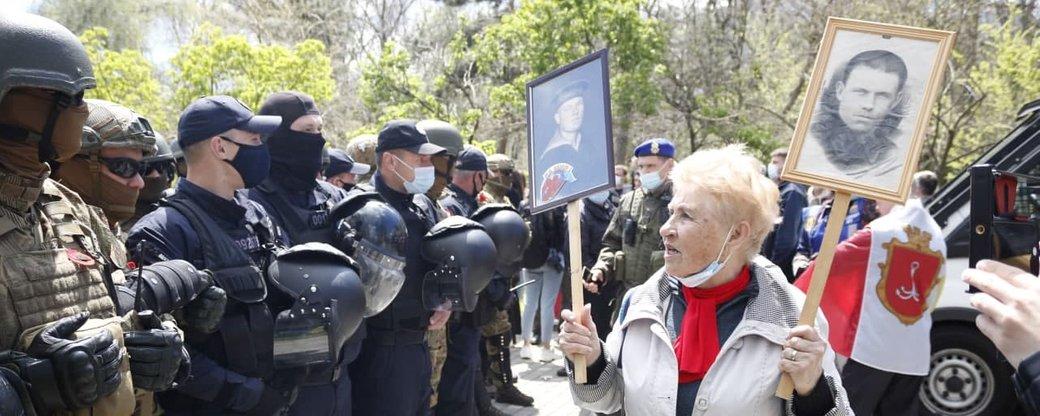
{"x":363,"y":149}
{"x":61,"y":336}
{"x":498,"y":331}
{"x":632,"y":249}
{"x":447,"y":136}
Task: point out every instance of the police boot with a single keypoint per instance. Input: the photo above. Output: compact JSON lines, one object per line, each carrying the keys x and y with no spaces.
{"x":491,"y":411}
{"x":507,"y":391}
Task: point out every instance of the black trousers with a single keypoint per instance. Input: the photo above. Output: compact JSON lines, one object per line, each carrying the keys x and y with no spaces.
{"x":881,"y":393}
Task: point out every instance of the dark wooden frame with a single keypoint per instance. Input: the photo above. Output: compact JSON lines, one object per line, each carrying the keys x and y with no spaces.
{"x":601,"y":55}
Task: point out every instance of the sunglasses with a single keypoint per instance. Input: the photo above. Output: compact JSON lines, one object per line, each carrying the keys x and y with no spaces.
{"x":125,"y":167}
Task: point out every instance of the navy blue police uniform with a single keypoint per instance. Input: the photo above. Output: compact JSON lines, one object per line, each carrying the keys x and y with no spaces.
{"x":393,"y":372}
{"x":455,"y":393}
{"x":232,"y":368}
{"x":299,"y":206}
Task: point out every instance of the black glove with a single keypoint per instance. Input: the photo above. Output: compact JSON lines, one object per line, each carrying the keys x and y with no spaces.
{"x":205,"y":312}
{"x":158,"y":358}
{"x":66,"y":374}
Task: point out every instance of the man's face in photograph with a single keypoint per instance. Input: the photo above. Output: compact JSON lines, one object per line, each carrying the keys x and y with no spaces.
{"x":866,"y":97}
{"x":569,"y":114}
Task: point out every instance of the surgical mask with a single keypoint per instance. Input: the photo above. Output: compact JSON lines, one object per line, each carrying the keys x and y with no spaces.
{"x":599,"y":197}
{"x":651,"y":180}
{"x":424,"y":177}
{"x":619,"y":181}
{"x":710,"y":270}
{"x":253,"y":163}
{"x":773,"y":171}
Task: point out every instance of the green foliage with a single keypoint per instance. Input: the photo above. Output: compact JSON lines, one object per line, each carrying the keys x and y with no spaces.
{"x":544,"y":34}
{"x":390,"y":90}
{"x":489,"y":147}
{"x":215,"y":63}
{"x":125,"y":77}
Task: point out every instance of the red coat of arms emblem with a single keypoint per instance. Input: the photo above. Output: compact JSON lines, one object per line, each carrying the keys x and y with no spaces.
{"x":909,"y":274}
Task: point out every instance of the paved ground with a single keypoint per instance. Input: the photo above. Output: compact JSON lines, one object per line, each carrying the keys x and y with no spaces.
{"x":551,"y":394}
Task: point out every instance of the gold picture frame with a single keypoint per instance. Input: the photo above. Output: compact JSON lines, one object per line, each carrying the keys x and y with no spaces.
{"x":838,"y":126}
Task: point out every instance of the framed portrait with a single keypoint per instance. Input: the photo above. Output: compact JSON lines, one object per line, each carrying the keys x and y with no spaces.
{"x":569,"y":140}
{"x":867,"y":107}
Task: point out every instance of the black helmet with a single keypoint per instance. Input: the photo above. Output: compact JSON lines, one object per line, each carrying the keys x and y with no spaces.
{"x":510,"y":233}
{"x":40,"y":53}
{"x":374,"y":235}
{"x":465,"y":257}
{"x":328,"y":305}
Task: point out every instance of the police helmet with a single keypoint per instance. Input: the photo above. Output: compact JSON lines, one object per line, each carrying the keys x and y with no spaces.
{"x":510,"y":233}
{"x":465,"y":257}
{"x":373,"y":234}
{"x":328,"y":304}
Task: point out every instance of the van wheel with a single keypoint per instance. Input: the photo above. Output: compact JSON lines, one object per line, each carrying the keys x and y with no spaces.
{"x":968,"y":377}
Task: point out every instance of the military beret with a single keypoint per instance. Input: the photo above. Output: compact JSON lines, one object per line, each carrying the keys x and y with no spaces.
{"x":572,"y":90}
{"x":656,"y":147}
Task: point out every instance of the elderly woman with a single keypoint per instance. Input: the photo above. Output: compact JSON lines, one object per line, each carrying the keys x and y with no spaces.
{"x":712,"y":332}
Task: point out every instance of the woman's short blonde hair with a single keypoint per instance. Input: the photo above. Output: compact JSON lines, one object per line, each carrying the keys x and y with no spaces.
{"x":735,"y":181}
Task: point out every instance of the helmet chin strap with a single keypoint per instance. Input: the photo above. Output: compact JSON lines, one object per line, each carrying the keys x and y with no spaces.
{"x":45,"y":148}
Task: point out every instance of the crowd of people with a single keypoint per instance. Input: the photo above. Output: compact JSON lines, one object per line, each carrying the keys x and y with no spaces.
{"x":249,"y":267}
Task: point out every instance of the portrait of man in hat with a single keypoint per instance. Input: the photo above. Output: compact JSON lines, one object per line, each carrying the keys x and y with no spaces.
{"x":570,"y":151}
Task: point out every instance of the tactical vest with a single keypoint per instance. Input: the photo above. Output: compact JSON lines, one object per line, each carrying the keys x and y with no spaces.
{"x":405,"y":320}
{"x":304,"y":225}
{"x":642,"y":216}
{"x":244,"y":340}
{"x":50,"y":268}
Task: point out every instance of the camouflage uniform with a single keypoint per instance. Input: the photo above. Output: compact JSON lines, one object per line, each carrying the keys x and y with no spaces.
{"x":632,"y":248}
{"x":447,"y":136}
{"x":363,"y":149}
{"x":498,"y":332}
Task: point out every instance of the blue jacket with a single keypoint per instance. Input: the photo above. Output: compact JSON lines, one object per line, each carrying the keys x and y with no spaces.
{"x":166,"y":234}
{"x":782,"y":243}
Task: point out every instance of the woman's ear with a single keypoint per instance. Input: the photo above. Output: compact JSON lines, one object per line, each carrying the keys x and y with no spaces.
{"x":741,"y":232}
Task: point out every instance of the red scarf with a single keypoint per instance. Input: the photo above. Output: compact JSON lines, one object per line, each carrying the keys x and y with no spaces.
{"x":698,"y":342}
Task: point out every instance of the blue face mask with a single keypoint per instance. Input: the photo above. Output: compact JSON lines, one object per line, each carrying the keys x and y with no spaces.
{"x":423,"y":180}
{"x":710,"y":270}
{"x":253,"y":163}
{"x":599,"y":198}
{"x":651,"y":180}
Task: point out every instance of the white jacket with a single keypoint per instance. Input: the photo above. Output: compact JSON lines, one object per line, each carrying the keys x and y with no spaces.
{"x":740,"y":382}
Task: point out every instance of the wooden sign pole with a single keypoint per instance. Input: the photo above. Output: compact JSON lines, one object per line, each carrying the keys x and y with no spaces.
{"x":822,"y":269}
{"x":577,"y":294}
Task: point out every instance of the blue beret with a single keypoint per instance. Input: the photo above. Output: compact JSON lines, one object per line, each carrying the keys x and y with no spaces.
{"x":656,"y":147}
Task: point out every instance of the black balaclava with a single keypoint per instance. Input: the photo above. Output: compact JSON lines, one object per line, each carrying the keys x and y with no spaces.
{"x":295,"y":156}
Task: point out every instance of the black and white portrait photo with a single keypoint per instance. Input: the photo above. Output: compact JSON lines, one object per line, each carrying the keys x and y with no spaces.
{"x":569,"y":132}
{"x":869,"y":106}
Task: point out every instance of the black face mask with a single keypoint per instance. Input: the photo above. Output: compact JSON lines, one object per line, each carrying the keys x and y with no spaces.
{"x":348,"y":186}
{"x":297,"y":157}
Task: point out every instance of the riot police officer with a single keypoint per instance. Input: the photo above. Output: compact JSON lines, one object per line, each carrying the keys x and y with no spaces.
{"x":632,"y":248}
{"x":343,"y":171}
{"x":393,"y":371}
{"x":211,"y":225}
{"x":459,"y":378}
{"x":60,"y":336}
{"x":299,"y":205}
